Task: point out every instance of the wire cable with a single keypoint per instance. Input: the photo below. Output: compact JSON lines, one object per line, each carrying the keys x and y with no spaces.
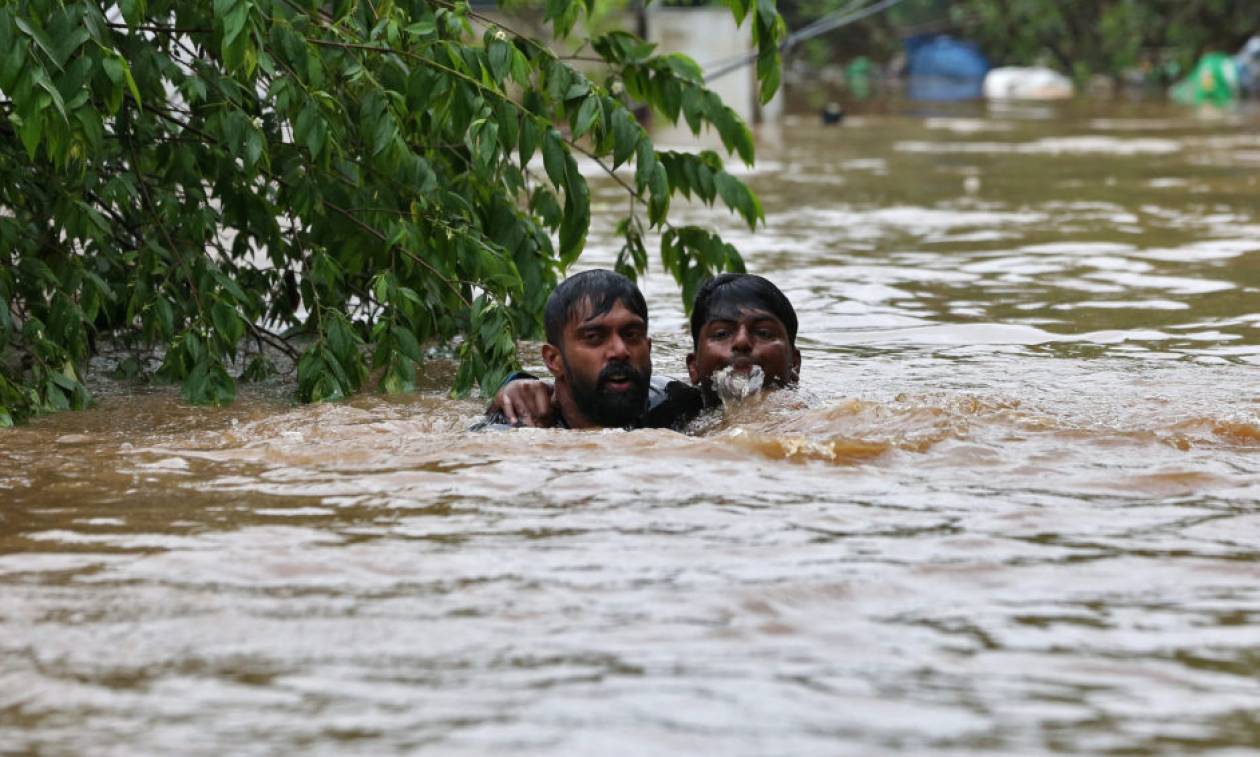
{"x":846,"y":15}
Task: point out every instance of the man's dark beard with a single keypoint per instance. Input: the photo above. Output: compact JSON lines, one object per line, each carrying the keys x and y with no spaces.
{"x":606,"y":408}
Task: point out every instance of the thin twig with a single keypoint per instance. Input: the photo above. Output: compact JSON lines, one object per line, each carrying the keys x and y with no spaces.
{"x":160,"y":29}
{"x":274,"y":340}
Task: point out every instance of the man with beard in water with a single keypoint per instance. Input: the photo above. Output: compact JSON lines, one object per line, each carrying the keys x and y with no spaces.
{"x":599,"y":354}
{"x":744,"y":332}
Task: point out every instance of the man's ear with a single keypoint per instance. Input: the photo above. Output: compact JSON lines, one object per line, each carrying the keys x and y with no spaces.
{"x":692,"y":370}
{"x":796,"y":365}
{"x":553,"y":360}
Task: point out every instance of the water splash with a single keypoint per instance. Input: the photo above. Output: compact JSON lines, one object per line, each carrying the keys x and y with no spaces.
{"x":735,"y":386}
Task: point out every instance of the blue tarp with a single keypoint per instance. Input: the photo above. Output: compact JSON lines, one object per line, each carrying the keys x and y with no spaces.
{"x":943,"y":68}
{"x":1248,"y":60}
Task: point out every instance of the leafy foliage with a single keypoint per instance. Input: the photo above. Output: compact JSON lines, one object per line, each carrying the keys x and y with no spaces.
{"x":1083,"y":38}
{"x":343,"y":181}
{"x":1079,"y":37}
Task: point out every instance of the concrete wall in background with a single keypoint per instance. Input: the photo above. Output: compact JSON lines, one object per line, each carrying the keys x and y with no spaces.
{"x":707,"y":35}
{"x":710,"y":37}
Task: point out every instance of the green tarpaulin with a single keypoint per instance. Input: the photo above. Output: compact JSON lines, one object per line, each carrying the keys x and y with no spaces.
{"x":1214,"y":80}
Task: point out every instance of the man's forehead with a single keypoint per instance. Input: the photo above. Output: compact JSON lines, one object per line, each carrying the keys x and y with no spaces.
{"x":728,"y":311}
{"x":583,"y":312}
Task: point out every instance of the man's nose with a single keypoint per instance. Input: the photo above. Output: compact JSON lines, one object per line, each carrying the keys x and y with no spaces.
{"x":742,"y":341}
{"x":617,"y":348}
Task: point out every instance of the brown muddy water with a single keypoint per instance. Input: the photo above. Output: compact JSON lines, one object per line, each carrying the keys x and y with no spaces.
{"x":1015,"y":506}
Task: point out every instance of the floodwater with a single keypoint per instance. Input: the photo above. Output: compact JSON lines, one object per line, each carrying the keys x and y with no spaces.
{"x":1014,"y":508}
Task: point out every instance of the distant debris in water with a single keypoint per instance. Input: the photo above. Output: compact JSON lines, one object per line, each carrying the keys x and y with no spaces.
{"x":832,"y":114}
{"x":940,"y":68}
{"x":1027,"y":83}
{"x":1214,"y":81}
{"x":971,"y":184}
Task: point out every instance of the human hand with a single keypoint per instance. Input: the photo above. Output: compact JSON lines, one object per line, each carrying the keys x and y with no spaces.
{"x":525,"y":402}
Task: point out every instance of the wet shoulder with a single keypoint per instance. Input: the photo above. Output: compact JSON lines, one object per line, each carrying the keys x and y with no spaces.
{"x":671,"y":404}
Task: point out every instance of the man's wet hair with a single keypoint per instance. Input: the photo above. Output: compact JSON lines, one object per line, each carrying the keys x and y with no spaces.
{"x":602,"y":288}
{"x":725,"y":296}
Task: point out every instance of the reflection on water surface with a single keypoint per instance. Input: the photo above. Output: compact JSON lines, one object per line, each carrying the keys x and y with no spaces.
{"x":1014,"y":506}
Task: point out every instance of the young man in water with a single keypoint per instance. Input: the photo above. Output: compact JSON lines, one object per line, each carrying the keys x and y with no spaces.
{"x":599,"y":354}
{"x":739,"y":322}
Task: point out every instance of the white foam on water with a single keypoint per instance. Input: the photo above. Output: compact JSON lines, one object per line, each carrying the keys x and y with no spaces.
{"x":735,"y":386}
{"x":1088,"y":145}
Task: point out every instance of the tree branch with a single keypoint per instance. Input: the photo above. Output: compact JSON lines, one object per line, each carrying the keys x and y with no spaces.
{"x":160,"y":29}
{"x":274,"y":340}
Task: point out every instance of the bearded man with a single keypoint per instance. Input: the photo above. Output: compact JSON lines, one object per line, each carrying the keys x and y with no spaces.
{"x":600,"y":356}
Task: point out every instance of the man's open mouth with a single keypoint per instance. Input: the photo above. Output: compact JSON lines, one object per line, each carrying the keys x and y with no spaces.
{"x":619,"y":383}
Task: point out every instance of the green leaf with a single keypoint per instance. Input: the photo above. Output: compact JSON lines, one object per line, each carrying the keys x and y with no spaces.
{"x":383,"y":133}
{"x":737,"y":197}
{"x":42,"y":81}
{"x":580,"y":87}
{"x":528,"y":140}
{"x":55,"y":397}
{"x":768,"y":73}
{"x":645,"y":163}
{"x":253,"y":147}
{"x":739,"y":8}
{"x":487,"y":144}
{"x":208,"y":384}
{"x":13,"y":62}
{"x":68,"y":42}
{"x":499,"y":55}
{"x":543,"y":202}
{"x":576,"y":219}
{"x":625,"y":136}
{"x":165,"y":315}
{"x":30,"y":133}
{"x":587,"y":115}
{"x":692,"y":104}
{"x":133,"y":11}
{"x":736,"y":136}
{"x":92,"y":128}
{"x":227,"y":324}
{"x":233,"y":15}
{"x":407,"y":344}
{"x":554,"y":158}
{"x":520,"y":68}
{"x":119,"y":72}
{"x":230,"y":285}
{"x":767,"y":14}
{"x":658,"y":203}
{"x":38,"y":36}
{"x":400,"y":378}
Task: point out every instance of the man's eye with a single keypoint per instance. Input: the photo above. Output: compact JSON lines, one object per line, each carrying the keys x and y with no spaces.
{"x":592,"y":337}
{"x":719,"y":333}
{"x":765,"y":333}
